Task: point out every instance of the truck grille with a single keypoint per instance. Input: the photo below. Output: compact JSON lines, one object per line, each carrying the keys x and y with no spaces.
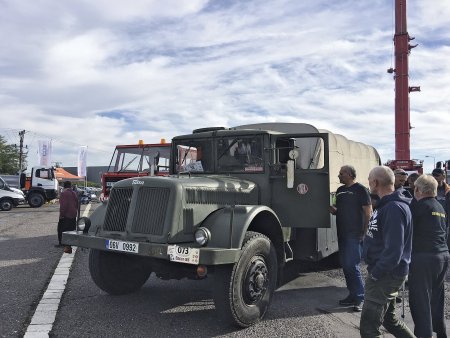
{"x":117,"y":212}
{"x":150,"y":211}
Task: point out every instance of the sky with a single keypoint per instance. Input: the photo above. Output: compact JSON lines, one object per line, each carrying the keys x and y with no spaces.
{"x":106,"y":72}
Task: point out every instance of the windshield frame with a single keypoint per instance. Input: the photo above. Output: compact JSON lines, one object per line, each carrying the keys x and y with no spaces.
{"x":215,"y":153}
{"x":118,"y":160}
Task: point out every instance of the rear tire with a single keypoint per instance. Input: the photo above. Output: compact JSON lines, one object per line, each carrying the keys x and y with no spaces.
{"x":118,"y":274}
{"x":6,"y":204}
{"x":243,"y":291}
{"x":35,"y":200}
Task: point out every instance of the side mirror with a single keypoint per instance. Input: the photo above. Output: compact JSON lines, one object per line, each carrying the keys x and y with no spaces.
{"x":290,"y":173}
{"x":294,"y":154}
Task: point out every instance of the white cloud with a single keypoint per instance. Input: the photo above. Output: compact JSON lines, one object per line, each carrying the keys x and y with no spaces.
{"x":173,"y":66}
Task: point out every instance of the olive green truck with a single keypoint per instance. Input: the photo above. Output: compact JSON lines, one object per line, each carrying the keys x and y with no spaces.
{"x":238,"y":205}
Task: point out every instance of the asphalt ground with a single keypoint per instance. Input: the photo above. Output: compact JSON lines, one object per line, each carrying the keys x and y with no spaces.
{"x":305,"y":306}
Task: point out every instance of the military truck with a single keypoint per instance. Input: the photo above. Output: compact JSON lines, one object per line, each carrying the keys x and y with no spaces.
{"x":238,"y":205}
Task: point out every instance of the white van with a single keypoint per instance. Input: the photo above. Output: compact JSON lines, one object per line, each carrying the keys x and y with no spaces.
{"x":9,"y":197}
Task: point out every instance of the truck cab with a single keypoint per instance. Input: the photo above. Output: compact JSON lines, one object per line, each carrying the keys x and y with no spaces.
{"x":136,"y":160}
{"x":40,"y":187}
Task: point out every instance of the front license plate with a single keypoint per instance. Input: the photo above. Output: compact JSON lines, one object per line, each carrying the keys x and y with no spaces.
{"x":122,"y":246}
{"x":183,"y":254}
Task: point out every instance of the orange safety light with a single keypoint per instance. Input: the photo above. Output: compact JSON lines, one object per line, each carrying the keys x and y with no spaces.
{"x":141,"y":142}
{"x":163,"y":140}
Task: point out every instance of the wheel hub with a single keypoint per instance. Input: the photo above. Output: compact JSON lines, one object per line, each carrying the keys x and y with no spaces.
{"x":256,"y":281}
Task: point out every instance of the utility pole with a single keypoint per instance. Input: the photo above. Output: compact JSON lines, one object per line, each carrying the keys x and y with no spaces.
{"x":21,"y":135}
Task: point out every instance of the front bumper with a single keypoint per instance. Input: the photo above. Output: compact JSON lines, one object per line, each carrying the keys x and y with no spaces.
{"x":18,"y":201}
{"x":208,"y":256}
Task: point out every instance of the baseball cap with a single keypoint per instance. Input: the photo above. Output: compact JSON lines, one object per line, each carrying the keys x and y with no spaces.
{"x":400,"y":172}
{"x":437,"y":172}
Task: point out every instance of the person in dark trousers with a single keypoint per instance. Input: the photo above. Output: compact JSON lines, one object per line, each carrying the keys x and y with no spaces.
{"x":68,"y":210}
{"x":353,"y":209}
{"x":387,"y":252}
{"x":429,"y":260}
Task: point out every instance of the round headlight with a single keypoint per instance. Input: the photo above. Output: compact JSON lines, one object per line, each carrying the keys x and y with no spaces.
{"x":202,"y":236}
{"x":84,"y":224}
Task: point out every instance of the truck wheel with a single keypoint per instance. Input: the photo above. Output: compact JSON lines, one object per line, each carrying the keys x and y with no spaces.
{"x":35,"y":200}
{"x":243,"y":291}
{"x":6,"y":204}
{"x":118,"y":274}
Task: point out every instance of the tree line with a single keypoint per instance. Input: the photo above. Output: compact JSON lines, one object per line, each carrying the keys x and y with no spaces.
{"x":9,"y":158}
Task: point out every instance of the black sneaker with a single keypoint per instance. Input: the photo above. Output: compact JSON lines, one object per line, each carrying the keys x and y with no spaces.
{"x":347,"y":301}
{"x":358,"y":306}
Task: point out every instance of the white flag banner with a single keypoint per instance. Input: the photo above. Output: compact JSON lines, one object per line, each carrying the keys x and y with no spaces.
{"x":45,"y":152}
{"x":82,"y":156}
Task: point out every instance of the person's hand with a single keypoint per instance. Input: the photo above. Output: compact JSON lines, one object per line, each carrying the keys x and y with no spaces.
{"x":447,"y":188}
{"x":333,"y":210}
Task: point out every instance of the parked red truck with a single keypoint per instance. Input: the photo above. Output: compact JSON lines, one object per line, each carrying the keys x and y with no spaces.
{"x":136,"y":160}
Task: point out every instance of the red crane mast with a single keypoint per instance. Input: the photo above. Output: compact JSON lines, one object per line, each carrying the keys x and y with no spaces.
{"x":402,"y":89}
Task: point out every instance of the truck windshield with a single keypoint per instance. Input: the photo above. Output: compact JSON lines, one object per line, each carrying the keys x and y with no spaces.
{"x":194,"y":156}
{"x":138,"y":159}
{"x":240,"y":154}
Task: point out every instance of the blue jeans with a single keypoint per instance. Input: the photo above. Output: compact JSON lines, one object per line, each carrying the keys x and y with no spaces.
{"x":350,"y":251}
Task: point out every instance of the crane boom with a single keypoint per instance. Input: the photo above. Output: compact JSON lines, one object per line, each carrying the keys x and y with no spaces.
{"x":402,"y":90}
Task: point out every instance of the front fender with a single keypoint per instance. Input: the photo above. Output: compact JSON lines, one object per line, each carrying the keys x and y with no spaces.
{"x":97,"y":217}
{"x":229,"y":225}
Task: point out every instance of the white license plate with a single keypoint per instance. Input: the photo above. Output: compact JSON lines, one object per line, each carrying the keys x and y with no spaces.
{"x":183,"y":254}
{"x":122,"y":246}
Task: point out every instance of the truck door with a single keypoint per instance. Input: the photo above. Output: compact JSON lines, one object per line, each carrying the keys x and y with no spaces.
{"x":44,"y":178}
{"x":306,"y":204}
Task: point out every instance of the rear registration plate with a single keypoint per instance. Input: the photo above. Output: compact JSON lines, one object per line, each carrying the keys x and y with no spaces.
{"x":183,"y":254}
{"x":122,"y":246}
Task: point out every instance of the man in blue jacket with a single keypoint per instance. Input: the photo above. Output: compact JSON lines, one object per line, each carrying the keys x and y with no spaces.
{"x":387,"y":252}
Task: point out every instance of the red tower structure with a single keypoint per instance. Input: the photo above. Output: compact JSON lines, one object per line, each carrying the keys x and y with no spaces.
{"x":402,"y":89}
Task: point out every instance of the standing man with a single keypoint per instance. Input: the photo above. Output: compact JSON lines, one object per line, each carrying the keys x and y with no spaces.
{"x":429,"y":260}
{"x":443,"y":189}
{"x":68,"y":210}
{"x":399,"y":184}
{"x":352,"y":210}
{"x":443,"y":194}
{"x":387,"y":252}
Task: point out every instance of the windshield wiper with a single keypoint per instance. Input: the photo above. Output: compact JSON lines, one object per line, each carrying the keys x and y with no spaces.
{"x":185,"y":155}
{"x":228,"y":148}
{"x":124,"y":168}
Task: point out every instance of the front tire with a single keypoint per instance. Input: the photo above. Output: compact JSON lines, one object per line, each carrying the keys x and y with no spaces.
{"x":6,"y":204}
{"x":35,"y":200}
{"x":118,"y":274}
{"x":243,"y":291}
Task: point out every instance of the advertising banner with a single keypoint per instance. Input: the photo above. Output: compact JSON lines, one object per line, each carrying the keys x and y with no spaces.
{"x":45,"y":152}
{"x":82,"y":157}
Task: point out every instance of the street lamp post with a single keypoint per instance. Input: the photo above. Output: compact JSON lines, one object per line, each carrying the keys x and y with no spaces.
{"x":434,"y":160}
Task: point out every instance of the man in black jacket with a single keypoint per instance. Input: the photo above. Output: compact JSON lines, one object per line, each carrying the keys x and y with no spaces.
{"x":429,"y":260}
{"x":387,"y":252}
